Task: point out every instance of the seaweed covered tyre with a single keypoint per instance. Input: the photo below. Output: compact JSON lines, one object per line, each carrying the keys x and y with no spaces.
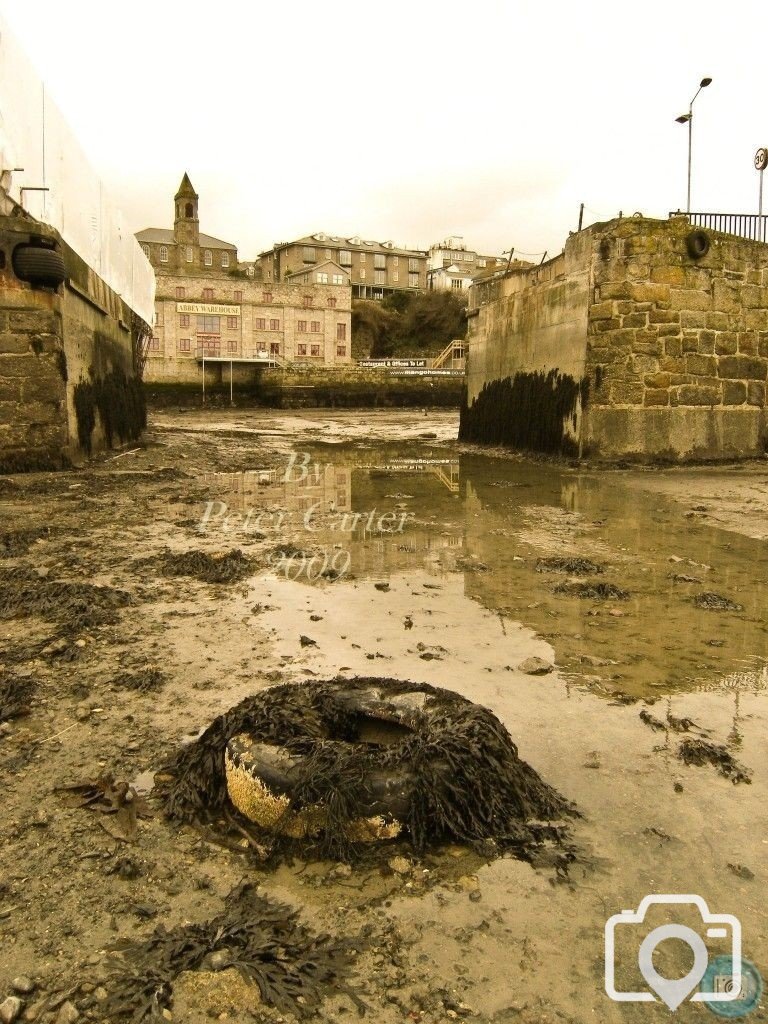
{"x":332,"y":764}
{"x":264,"y":780}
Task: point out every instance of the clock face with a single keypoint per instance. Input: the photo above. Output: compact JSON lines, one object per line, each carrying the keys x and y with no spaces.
{"x":761,"y":159}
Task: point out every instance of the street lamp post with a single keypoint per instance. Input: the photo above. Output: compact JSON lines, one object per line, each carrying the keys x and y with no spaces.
{"x":688,"y":118}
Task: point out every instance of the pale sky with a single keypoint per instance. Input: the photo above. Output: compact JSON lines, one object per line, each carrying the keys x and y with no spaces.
{"x":407,"y":120}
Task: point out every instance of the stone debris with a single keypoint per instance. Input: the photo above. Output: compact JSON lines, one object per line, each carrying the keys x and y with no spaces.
{"x":535,"y":667}
{"x":10,"y":1009}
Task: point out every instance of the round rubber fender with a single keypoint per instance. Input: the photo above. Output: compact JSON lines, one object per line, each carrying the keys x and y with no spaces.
{"x":39,"y":265}
{"x":697,"y":244}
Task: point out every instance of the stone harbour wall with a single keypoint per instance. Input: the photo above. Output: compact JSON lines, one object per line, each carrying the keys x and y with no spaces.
{"x":661,"y":352}
{"x":70,"y":380}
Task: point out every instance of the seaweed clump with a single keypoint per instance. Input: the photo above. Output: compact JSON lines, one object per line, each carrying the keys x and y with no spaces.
{"x":701,"y":752}
{"x":80,"y":605}
{"x":464,"y":779}
{"x":231,"y":567}
{"x":594,"y":591}
{"x":573,"y":566}
{"x":15,"y":695}
{"x":146,"y":680}
{"x":716,"y":602}
{"x":18,"y":542}
{"x":292,"y":967}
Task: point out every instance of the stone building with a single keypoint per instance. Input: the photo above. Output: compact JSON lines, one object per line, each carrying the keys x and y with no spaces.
{"x":644,"y":339}
{"x":451,"y":266}
{"x":211,"y":313}
{"x":375,"y":269}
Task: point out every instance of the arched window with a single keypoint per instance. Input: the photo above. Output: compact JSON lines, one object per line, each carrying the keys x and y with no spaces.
{"x":163,"y":253}
{"x":145,"y":249}
{"x":225,"y":259}
{"x":208,"y":258}
{"x":188,"y":254}
{"x":189,"y":210}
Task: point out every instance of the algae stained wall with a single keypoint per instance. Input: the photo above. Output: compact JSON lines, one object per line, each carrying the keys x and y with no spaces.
{"x":527,"y":354}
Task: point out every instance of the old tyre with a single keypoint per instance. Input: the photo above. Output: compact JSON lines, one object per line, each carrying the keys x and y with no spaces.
{"x":39,"y":265}
{"x":263,"y":778}
{"x":697,"y":244}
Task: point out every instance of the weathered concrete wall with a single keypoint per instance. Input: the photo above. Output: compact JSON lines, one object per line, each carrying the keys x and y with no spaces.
{"x":69,"y":378}
{"x":627,"y":346}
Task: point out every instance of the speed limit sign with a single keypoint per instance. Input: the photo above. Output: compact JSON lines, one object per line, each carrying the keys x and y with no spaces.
{"x":761,"y":159}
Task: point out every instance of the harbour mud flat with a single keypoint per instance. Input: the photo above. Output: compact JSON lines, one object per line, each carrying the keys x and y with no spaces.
{"x":615,"y":621}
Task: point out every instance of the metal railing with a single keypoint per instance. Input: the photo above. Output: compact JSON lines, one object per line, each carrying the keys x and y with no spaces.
{"x":743,"y":225}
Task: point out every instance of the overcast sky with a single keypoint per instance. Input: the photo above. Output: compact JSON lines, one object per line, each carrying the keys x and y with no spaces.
{"x":407,"y":119}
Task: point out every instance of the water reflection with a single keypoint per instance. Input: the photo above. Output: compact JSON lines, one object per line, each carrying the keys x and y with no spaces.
{"x":492,"y":520}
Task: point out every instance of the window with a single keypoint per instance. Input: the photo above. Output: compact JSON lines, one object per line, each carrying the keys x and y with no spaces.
{"x":413,"y":265}
{"x":232,"y":323}
{"x":338,"y":279}
{"x":380,"y":261}
{"x":266,"y":297}
{"x":307,"y":301}
{"x":238,"y":296}
{"x":154,"y":344}
{"x":250,"y":271}
{"x":145,"y":250}
{"x":274,"y":325}
{"x":341,"y":332}
{"x":301,"y":326}
{"x":184,"y":320}
{"x":481,"y":262}
{"x":345,"y":258}
{"x":163,"y":253}
{"x":314,"y":350}
{"x":301,"y":350}
{"x":231,"y":345}
{"x":188,"y":254}
{"x":362,"y":273}
{"x":260,"y":324}
{"x":332,"y":301}
{"x":396,"y":276}
{"x":208,"y":293}
{"x":363,"y":257}
{"x":225,"y":259}
{"x":413,"y":280}
{"x":395,"y":261}
{"x":309,"y":254}
{"x":184,"y":345}
{"x":341,"y":350}
{"x":179,"y":293}
{"x":208,"y":258}
{"x":322,"y":279}
{"x":458,"y":285}
{"x":315,"y":327}
{"x":209,"y":325}
{"x":189,"y":210}
{"x":158,"y":317}
{"x":274,"y":348}
{"x":379,"y":277}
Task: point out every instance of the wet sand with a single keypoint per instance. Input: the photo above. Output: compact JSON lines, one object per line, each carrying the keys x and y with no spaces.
{"x":461,"y":603}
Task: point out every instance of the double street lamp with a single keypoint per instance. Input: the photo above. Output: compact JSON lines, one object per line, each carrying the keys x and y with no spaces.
{"x":688,"y":118}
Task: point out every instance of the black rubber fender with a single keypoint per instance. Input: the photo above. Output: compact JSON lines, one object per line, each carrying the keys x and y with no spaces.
{"x":697,"y":244}
{"x":39,"y":265}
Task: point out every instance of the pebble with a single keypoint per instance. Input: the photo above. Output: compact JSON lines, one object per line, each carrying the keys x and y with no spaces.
{"x":340,"y":871}
{"x":10,"y":1009}
{"x":23,"y":984}
{"x":68,"y":1013}
{"x":468,"y":883}
{"x":535,"y":667}
{"x":220,"y":960}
